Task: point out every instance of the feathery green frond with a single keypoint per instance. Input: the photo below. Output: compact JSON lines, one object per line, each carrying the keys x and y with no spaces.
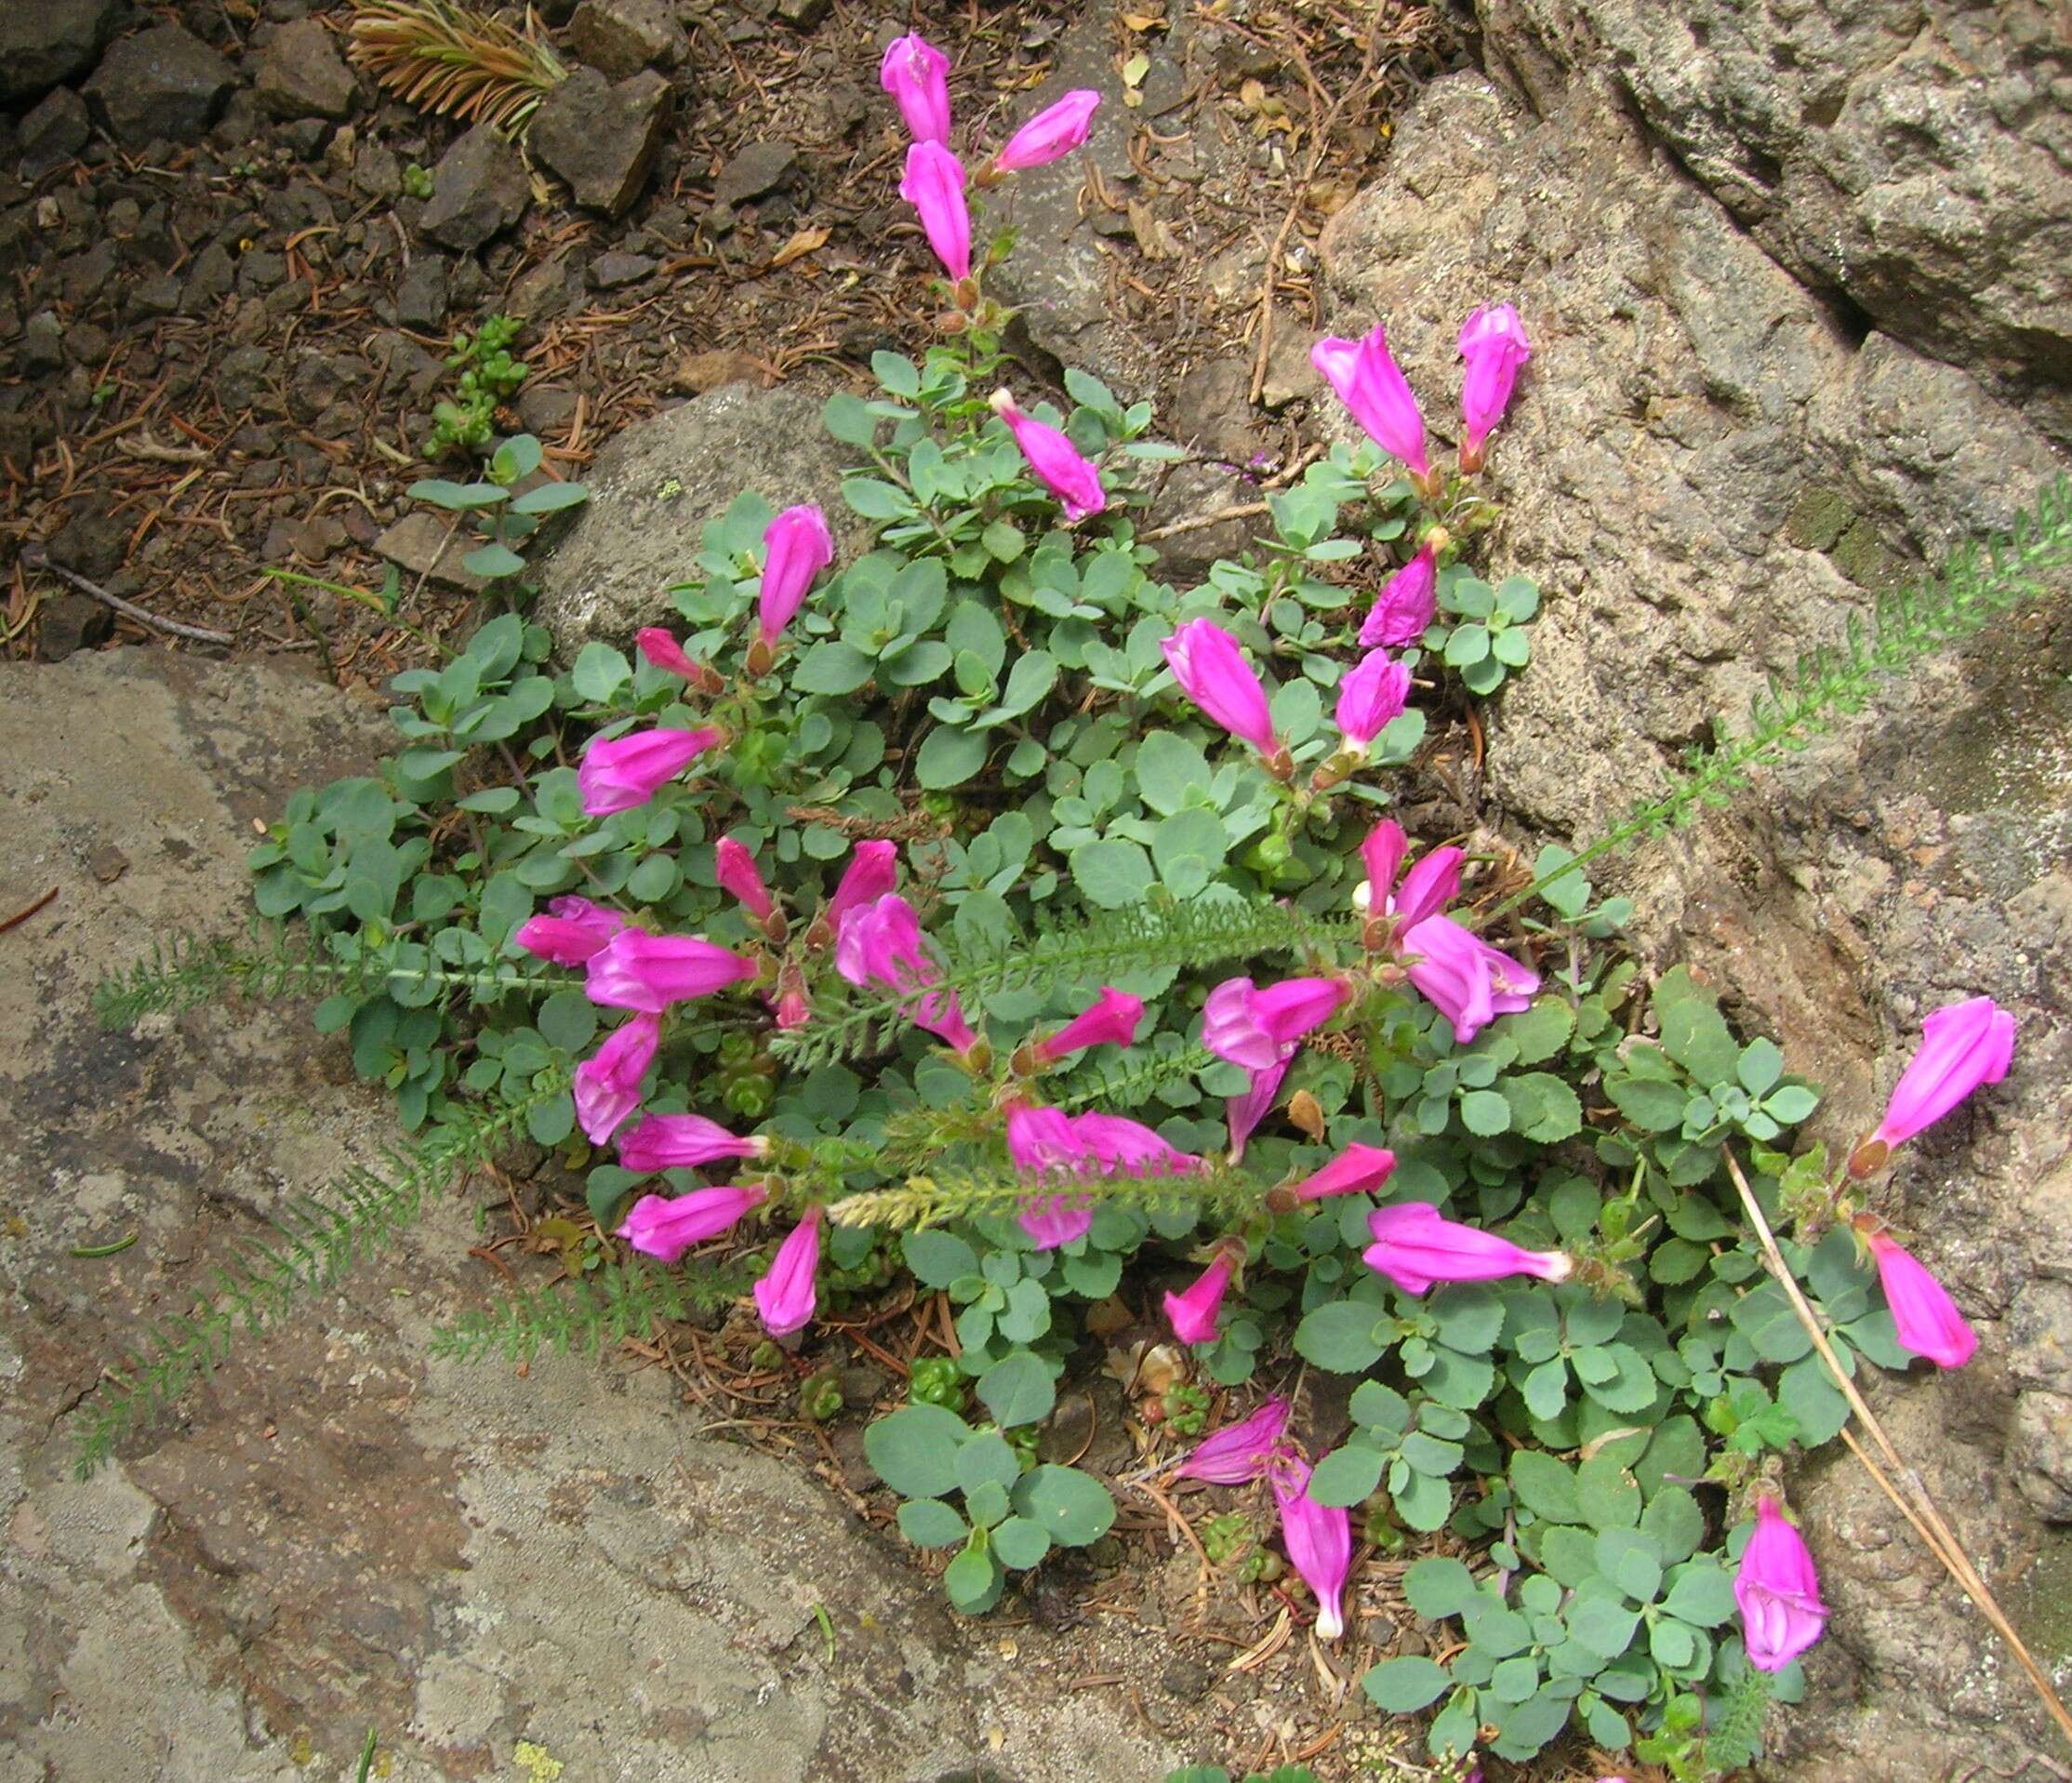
{"x":592,"y":1312}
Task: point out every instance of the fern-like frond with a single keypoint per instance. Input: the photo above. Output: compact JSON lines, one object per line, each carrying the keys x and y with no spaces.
{"x":1135,"y":1078}
{"x":959,"y":1192}
{"x":317,"y":1240}
{"x":592,"y":1312}
{"x":456,"y":61}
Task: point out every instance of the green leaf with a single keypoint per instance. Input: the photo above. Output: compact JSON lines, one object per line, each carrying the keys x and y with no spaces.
{"x":1347,"y":1476}
{"x":1017,"y":1389}
{"x":1545,"y":1388}
{"x":1403,"y":1686}
{"x":1791,"y":1104}
{"x":1168,"y":769}
{"x":568,"y":1019}
{"x":1701,"y":1591}
{"x":1761,"y":1066}
{"x":1813,"y":1401}
{"x":1538,"y":1032}
{"x":492,"y":561}
{"x":1485,"y":1114}
{"x":832,"y":667}
{"x":974,"y":1581}
{"x":1544,"y":1108}
{"x":975,"y":630}
{"x":949,"y":757}
{"x":1675,"y":1523}
{"x":1111,"y":873}
{"x":988,"y":1457}
{"x":914,"y":1450}
{"x":1188,"y":849}
{"x":1544,"y":1485}
{"x":1439,"y":1587}
{"x":1651,"y":1106}
{"x":1629,"y":1560}
{"x":917,"y":664}
{"x":875,"y":501}
{"x":929,"y":1522}
{"x":1696,"y":1036}
{"x":1071,"y":1507}
{"x":1340,"y":1336}
{"x":1524,"y":1728}
{"x":1606,"y":1494}
{"x":1765,"y":1317}
{"x":1600,"y":1620}
{"x":986,"y":1503}
{"x":938,"y":1259}
{"x":550,"y":498}
{"x":1020,"y":1543}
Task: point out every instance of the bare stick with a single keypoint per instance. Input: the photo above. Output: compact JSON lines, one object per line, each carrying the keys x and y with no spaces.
{"x":1925,"y":1517}
{"x":34,"y":557}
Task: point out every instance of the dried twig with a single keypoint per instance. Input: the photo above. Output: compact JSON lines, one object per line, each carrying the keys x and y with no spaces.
{"x":35,"y":557}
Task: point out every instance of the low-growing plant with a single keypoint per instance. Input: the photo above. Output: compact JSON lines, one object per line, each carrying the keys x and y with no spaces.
{"x":502,"y":515}
{"x":488,"y":376}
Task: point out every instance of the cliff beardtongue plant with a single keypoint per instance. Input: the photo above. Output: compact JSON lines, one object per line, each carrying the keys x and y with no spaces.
{"x":934,"y":187}
{"x":1777,"y":1591}
{"x":917,"y":75}
{"x":1493,"y":341}
{"x":1964,"y":1046}
{"x":1052,"y":134}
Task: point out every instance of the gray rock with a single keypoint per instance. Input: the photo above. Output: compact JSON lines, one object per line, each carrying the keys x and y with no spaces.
{"x":425,"y":545}
{"x":1185,"y":499}
{"x":211,"y":277}
{"x":633,"y":538}
{"x":43,"y":42}
{"x":609,"y":271}
{"x":1209,"y":411}
{"x":302,"y":75}
{"x":53,"y":131}
{"x":41,"y":351}
{"x":804,"y":15}
{"x":620,"y":38}
{"x":757,"y":169}
{"x":1911,"y":156}
{"x":68,"y":623}
{"x":602,"y":138}
{"x":92,"y":540}
{"x":155,"y":294}
{"x":479,"y":190}
{"x":420,"y":300}
{"x":162,"y":85}
{"x":545,"y":408}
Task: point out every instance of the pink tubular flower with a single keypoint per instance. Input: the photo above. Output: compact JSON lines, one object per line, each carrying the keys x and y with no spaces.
{"x":621,"y":772}
{"x":1778,"y":1591}
{"x":660,"y":647}
{"x":917,"y":75}
{"x":636,"y":970}
{"x":572,"y":930}
{"x":796,"y":547}
{"x":1358,"y":1170}
{"x":667,"y":1226}
{"x":1211,"y":672}
{"x":1493,"y":341}
{"x":1243,"y":1112}
{"x":1425,"y":890}
{"x":1041,"y":1139}
{"x":1319,"y":1540}
{"x":784,"y":1296}
{"x":1414,"y":1246}
{"x":1193,"y":1313}
{"x":1043,"y":1142}
{"x":1259,"y":1029}
{"x":607,"y":1085}
{"x":1963,"y":1045}
{"x":1115,"y":1143}
{"x":1238,"y":1451}
{"x":1469,"y":980}
{"x":1111,"y":1020}
{"x":880,"y":943}
{"x":935,"y":186}
{"x":1371,"y":385}
{"x":683,"y":1142}
{"x":1372,"y":693}
{"x":1406,"y":605}
{"x":1924,"y":1316}
{"x":734,"y":869}
{"x":1052,"y":134}
{"x":873,"y":871}
{"x":1053,"y":1220}
{"x":1056,"y":461}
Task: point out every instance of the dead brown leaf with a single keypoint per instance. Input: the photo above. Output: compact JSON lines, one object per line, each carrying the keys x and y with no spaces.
{"x":804,"y":242}
{"x":1154,"y":235}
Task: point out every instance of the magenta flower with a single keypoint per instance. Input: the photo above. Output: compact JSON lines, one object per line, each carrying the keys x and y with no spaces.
{"x":1056,"y":461}
{"x":1040,"y":1140}
{"x":880,"y":943}
{"x":1260,"y":1029}
{"x":667,"y":1226}
{"x":734,"y":869}
{"x":1778,"y":1591}
{"x":607,"y":1085}
{"x":1045,"y":1141}
{"x":1193,"y":1313}
{"x":1358,"y":1170}
{"x":1238,"y":1451}
{"x":572,"y":930}
{"x":1414,"y":1246}
{"x":1963,"y":1045}
{"x":1425,"y":890}
{"x":1469,"y":980}
{"x":1406,"y":605}
{"x":1924,"y":1316}
{"x":1211,"y":672}
{"x":1111,"y":1020}
{"x":618,"y":773}
{"x":1374,"y":691}
{"x":636,"y":970}
{"x":683,"y":1142}
{"x":660,"y":647}
{"x":873,"y":871}
{"x":1493,"y":341}
{"x":1115,"y":1143}
{"x":1371,"y":385}
{"x":1243,"y":1112}
{"x":784,"y":1296}
{"x":1319,"y":1540}
{"x":1052,"y":134}
{"x":796,"y":547}
{"x":1053,"y":1220}
{"x":917,"y":75}
{"x":935,"y":186}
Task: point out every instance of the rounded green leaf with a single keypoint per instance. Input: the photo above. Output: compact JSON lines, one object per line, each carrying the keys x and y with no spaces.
{"x":1017,"y":1389}
{"x":1403,"y":1686}
{"x":988,"y":1457}
{"x":1111,"y":873}
{"x":915,"y":1450}
{"x":1341,"y":1336}
{"x":832,"y":667}
{"x":974,"y":1581}
{"x":1017,"y":1542}
{"x":1440,"y":1586}
{"x":1346,"y":1476}
{"x":929,"y":1522}
{"x":1486,"y":1112}
{"x":949,"y":757}
{"x":1071,"y":1507}
{"x":938,"y":1259}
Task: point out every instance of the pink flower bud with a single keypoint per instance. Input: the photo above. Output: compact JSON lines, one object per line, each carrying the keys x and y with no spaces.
{"x":1238,"y":1451}
{"x":1778,"y":1591}
{"x":1358,"y":1170}
{"x":1371,"y":385}
{"x":1056,"y":461}
{"x":1374,"y":692}
{"x":607,"y":1085}
{"x":683,"y":1142}
{"x":618,"y":773}
{"x":660,"y":647}
{"x":1963,"y":1045}
{"x":1193,"y":1313}
{"x":1428,"y":887}
{"x":1319,"y":1540}
{"x":935,"y":186}
{"x":572,"y":930}
{"x":917,"y":75}
{"x":797,"y":547}
{"x":636,"y":970}
{"x":1406,"y":605}
{"x":785,"y":1297}
{"x":873,"y":871}
{"x":733,"y":870}
{"x":1493,"y":341}
{"x":1117,"y":1144}
{"x":1260,"y":1029}
{"x":1244,"y":1111}
{"x":880,"y":943}
{"x":1111,"y":1022}
{"x":667,"y":1226}
{"x":1414,"y":1246}
{"x":1211,"y":672}
{"x":1383,"y":851}
{"x":1924,"y":1317}
{"x":1053,"y":133}
{"x":1470,"y":981}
